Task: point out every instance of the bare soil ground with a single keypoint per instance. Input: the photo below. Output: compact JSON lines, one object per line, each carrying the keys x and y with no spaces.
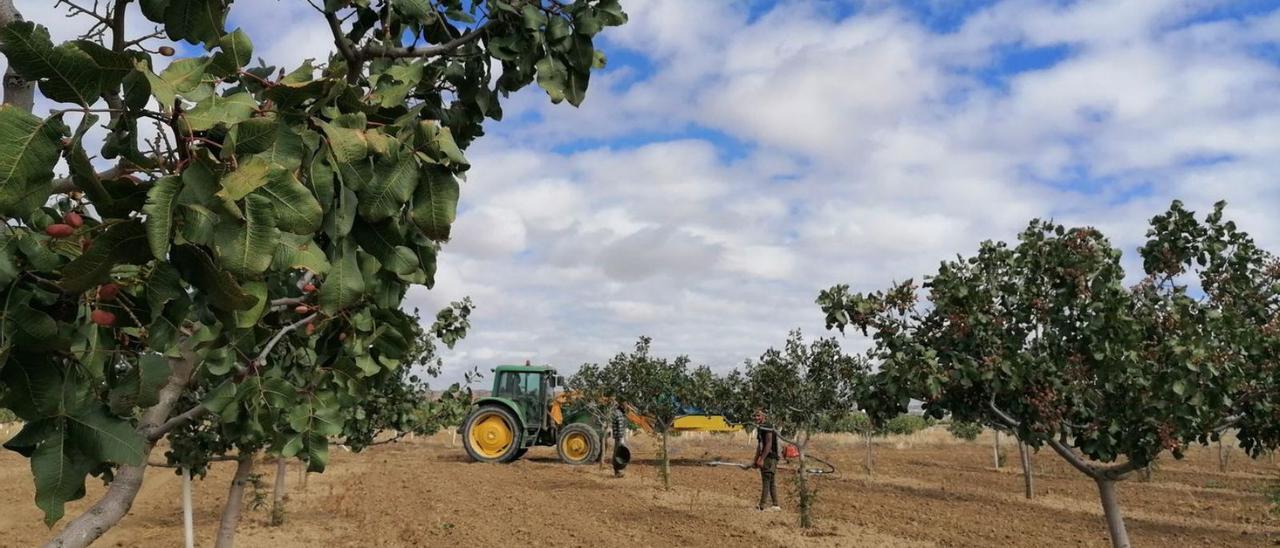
{"x":927,"y":490}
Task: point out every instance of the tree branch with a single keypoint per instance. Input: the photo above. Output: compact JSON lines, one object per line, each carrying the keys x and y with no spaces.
{"x":355,"y":62}
{"x":17,"y":90}
{"x":392,"y":52}
{"x":118,"y":41}
{"x":266,"y":350}
{"x":1072,"y":458}
{"x":189,"y":415}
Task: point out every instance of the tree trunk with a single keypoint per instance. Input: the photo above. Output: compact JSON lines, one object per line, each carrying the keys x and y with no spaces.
{"x":1111,"y":508}
{"x":115,"y":503}
{"x":188,"y":527}
{"x":17,"y":90}
{"x":665,"y":470}
{"x":235,"y":500}
{"x":1024,"y":454}
{"x":1222,"y":456}
{"x":277,"y":498}
{"x":868,"y":463}
{"x":806,"y":497}
{"x":995,"y":450}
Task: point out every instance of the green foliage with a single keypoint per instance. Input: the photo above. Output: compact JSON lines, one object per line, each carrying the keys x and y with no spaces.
{"x":965,"y":430}
{"x":264,"y":241}
{"x":905,"y":425}
{"x":7,"y":416}
{"x":851,"y":422}
{"x":803,"y":383}
{"x":1047,"y":338}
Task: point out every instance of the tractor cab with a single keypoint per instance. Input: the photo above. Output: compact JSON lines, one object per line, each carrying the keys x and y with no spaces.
{"x":522,"y":411}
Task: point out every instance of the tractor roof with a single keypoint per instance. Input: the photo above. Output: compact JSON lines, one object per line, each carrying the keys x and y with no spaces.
{"x":525,"y":368}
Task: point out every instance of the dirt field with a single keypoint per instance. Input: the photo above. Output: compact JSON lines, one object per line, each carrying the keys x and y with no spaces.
{"x":927,"y":490}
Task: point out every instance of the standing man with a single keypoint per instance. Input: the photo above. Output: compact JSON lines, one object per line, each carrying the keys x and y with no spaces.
{"x":767,"y":461}
{"x":621,"y":455}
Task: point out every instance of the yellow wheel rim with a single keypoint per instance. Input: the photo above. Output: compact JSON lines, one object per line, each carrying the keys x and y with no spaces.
{"x":576,"y":446}
{"x":491,"y":436}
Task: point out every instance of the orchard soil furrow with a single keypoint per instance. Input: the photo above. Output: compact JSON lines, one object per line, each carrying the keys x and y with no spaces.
{"x":926,"y":490}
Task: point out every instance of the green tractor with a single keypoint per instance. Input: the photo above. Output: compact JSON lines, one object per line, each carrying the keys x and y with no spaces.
{"x":523,"y":411}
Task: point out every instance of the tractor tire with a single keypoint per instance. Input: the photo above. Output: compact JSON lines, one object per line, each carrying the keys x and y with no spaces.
{"x":521,"y":452}
{"x":492,"y":433}
{"x":578,"y":444}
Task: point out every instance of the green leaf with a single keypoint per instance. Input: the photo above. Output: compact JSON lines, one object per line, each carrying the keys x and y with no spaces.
{"x":106,"y":438}
{"x":245,"y":319}
{"x":153,"y":373}
{"x":154,"y":9}
{"x":26,"y":163}
{"x":1179,"y":387}
{"x":120,"y":243}
{"x":292,"y":447}
{"x":181,"y":76}
{"x":221,"y":110}
{"x":236,"y":52}
{"x":196,"y":21}
{"x":296,"y":209}
{"x":251,"y":136}
{"x":74,"y":72}
{"x":220,"y":398}
{"x":320,"y":179}
{"x":197,"y":224}
{"x":419,"y":10}
{"x":337,"y":223}
{"x":200,"y":271}
{"x":435,"y":203}
{"x":344,"y":286}
{"x":553,"y":77}
{"x":287,"y":151}
{"x":59,"y":470}
{"x":161,"y":201}
{"x":245,"y":250}
{"x":294,"y":251}
{"x":249,"y":177}
{"x":348,"y":145}
{"x":391,"y":186}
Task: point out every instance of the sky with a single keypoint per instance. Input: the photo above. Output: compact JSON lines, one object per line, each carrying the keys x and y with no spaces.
{"x":736,"y":157}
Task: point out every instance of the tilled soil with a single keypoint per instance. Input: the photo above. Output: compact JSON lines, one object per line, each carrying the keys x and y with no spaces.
{"x":925,"y":490}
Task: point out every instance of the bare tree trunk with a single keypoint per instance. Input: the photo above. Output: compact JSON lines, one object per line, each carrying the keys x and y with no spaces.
{"x":113,"y":505}
{"x":235,"y":500}
{"x":277,"y":498}
{"x":665,"y":470}
{"x":1222,"y":456}
{"x":1111,"y":508}
{"x":188,"y":526}
{"x":995,"y":450}
{"x":806,"y":497}
{"x":868,"y":463}
{"x":17,"y":90}
{"x":1024,"y":453}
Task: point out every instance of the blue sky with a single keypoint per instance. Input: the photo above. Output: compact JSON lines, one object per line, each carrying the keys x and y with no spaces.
{"x":736,"y":157}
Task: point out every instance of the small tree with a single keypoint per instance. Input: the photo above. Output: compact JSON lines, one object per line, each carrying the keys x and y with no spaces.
{"x":798,"y":386}
{"x":659,"y":389}
{"x":965,"y":430}
{"x":1045,"y":339}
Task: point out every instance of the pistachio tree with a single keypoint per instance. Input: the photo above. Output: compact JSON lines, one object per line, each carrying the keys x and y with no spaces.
{"x":660,"y":390}
{"x":238,"y":245}
{"x":798,"y":387}
{"x":1045,"y":338}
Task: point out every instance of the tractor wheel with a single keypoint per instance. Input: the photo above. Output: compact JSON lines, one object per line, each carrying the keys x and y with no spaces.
{"x":492,"y":434}
{"x":520,"y":453}
{"x":578,"y":444}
